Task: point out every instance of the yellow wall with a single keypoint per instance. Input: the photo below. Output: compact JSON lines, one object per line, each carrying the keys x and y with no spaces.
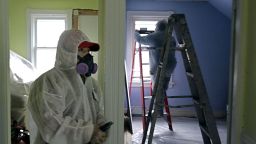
{"x":18,"y":17}
{"x":250,"y":95}
{"x":101,"y":41}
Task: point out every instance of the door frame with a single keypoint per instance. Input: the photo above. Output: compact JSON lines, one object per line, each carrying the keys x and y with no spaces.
{"x":5,"y":116}
{"x":78,"y":12}
{"x":112,"y":14}
{"x":237,"y":73}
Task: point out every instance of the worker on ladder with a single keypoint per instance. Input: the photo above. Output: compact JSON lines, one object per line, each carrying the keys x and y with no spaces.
{"x":155,"y":41}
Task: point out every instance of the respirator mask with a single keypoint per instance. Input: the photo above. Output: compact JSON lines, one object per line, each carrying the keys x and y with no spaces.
{"x":86,"y":66}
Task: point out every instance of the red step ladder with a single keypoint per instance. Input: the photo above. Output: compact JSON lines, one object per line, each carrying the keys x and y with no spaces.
{"x":142,"y":87}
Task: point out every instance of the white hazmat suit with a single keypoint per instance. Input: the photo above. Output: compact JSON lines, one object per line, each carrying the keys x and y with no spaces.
{"x":65,"y":109}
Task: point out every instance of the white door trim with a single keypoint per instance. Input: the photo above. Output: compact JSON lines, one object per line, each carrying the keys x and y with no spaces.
{"x":32,"y":15}
{"x":4,"y":76}
{"x":133,"y":16}
{"x":114,"y":48}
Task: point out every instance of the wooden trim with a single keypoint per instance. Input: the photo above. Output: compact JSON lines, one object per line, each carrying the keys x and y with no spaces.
{"x":86,"y":11}
{"x":77,"y":12}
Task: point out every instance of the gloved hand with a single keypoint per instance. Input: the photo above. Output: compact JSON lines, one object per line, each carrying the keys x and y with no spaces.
{"x":98,"y":136}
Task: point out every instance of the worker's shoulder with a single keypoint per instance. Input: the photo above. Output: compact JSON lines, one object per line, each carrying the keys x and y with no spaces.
{"x":50,"y":75}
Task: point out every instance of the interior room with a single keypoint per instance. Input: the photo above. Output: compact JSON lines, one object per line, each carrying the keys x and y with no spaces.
{"x":222,"y":32}
{"x":209,"y":23}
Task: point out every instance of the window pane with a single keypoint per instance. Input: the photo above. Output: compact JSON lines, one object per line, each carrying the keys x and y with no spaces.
{"x":45,"y":59}
{"x":48,"y":32}
{"x":145,"y":67}
{"x":150,"y":25}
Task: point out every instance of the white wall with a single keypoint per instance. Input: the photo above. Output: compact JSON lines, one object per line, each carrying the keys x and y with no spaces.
{"x":89,"y":25}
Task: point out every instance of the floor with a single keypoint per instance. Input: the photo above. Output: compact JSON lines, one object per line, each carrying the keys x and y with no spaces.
{"x":186,"y":131}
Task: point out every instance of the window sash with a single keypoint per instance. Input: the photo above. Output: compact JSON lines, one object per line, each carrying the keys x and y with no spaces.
{"x":49,"y":49}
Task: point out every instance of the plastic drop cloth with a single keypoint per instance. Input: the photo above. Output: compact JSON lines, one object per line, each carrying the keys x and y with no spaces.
{"x":22,"y":74}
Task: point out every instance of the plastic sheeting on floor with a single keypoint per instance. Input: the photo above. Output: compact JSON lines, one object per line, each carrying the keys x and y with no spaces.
{"x":186,"y":131}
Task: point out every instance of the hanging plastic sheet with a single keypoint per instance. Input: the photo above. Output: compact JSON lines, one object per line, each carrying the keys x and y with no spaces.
{"x":22,"y":74}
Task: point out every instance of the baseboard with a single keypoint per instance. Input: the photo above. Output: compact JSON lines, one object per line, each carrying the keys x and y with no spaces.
{"x":137,"y":111}
{"x":246,"y":139}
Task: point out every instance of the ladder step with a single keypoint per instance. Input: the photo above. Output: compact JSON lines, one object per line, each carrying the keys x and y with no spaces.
{"x":145,"y":63}
{"x":147,"y":97}
{"x":147,"y":80}
{"x":179,"y":96}
{"x":139,"y":77}
{"x":174,"y":97}
{"x":182,"y":106}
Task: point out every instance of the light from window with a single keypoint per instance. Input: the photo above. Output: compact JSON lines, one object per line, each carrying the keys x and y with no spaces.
{"x":150,"y":26}
{"x":48,"y":32}
{"x":46,"y":28}
{"x":45,"y":59}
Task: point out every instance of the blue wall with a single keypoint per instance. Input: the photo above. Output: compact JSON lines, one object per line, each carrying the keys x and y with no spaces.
{"x":211,"y":35}
{"x":225,"y":6}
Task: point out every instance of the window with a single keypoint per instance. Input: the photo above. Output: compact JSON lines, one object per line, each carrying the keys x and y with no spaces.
{"x":45,"y":29}
{"x":137,"y":20}
{"x":150,"y":26}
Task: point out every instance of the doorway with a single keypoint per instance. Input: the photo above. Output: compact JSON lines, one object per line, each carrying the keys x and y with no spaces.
{"x":191,"y":122}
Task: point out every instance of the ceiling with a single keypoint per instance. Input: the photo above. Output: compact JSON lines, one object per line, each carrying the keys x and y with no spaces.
{"x":224,"y":6}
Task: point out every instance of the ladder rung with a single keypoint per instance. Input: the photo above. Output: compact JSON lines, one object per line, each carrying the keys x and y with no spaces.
{"x":182,"y":106}
{"x":139,"y":77}
{"x":180,"y":96}
{"x":147,"y":97}
{"x":145,"y":63}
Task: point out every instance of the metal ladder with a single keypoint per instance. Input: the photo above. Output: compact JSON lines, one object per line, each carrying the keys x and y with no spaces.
{"x":207,"y":124}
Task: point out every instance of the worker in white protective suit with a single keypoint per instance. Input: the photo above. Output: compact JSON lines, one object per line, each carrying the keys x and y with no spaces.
{"x":65,"y":102}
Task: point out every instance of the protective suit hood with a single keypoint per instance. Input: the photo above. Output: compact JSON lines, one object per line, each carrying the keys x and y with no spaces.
{"x":66,"y":56}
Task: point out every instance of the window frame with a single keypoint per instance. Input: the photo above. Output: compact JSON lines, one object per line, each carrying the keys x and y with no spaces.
{"x":133,"y":16}
{"x":32,"y":16}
